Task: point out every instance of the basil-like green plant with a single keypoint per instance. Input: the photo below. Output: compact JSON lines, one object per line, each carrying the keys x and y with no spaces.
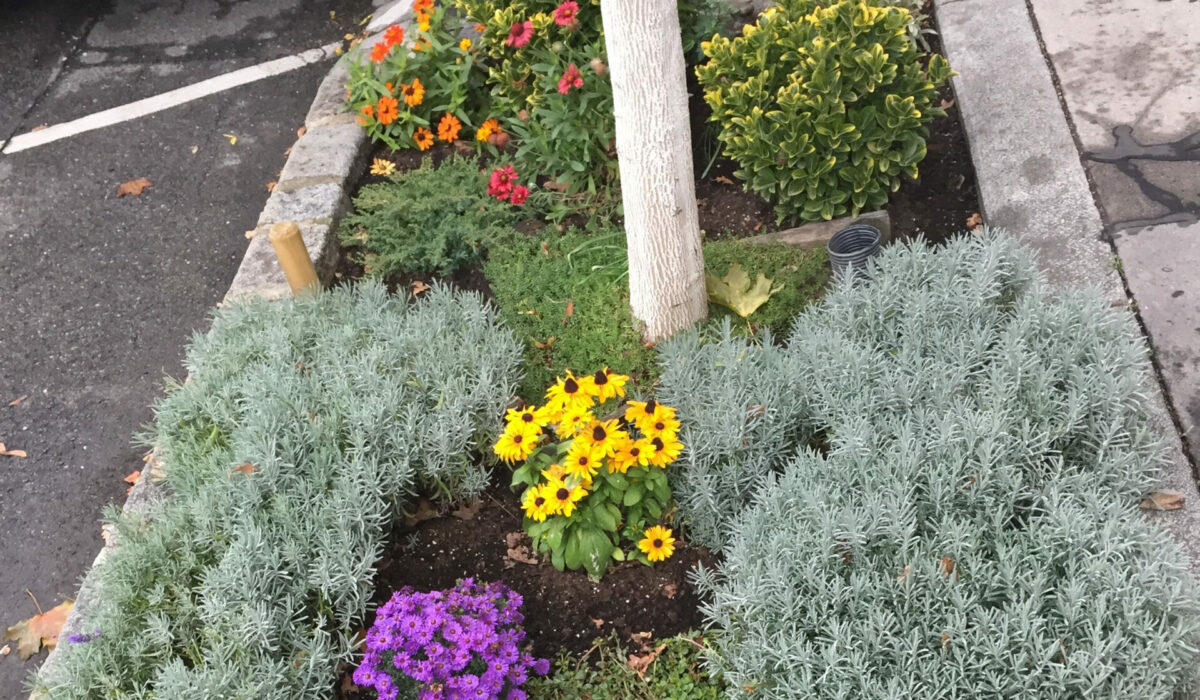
{"x":824,"y":107}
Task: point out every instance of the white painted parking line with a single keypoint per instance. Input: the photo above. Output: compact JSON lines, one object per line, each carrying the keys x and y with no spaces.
{"x":167,"y":100}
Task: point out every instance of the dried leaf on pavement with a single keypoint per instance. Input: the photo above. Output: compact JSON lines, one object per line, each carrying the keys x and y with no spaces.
{"x":974,"y":221}
{"x":232,"y":139}
{"x":19,"y":400}
{"x":134,"y":187}
{"x":1162,"y":500}
{"x":736,"y":291}
{"x":39,"y":631}
{"x":5,"y":452}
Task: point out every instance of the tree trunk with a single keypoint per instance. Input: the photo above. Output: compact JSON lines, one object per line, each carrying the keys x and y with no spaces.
{"x":654,"y":150}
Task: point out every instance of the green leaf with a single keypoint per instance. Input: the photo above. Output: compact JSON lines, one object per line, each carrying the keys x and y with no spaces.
{"x":736,"y":291}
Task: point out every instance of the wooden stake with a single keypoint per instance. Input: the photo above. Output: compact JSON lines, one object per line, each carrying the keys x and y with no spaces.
{"x":293,"y":257}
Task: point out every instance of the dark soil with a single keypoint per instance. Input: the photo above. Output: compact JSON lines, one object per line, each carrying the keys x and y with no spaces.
{"x":564,"y":610}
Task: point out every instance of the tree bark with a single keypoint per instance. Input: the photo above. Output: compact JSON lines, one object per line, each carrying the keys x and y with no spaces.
{"x":654,"y":151}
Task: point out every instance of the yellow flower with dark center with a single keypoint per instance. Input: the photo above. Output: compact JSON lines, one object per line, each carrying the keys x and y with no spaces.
{"x":568,"y":394}
{"x":662,"y":426}
{"x":423,"y":138}
{"x":536,"y":503}
{"x":554,"y":471}
{"x":379,"y":166}
{"x":604,"y":384}
{"x":563,"y":496}
{"x":665,"y":450}
{"x":527,"y":416}
{"x":516,"y":445}
{"x":632,"y":453}
{"x":644,"y":413}
{"x":601,"y":438}
{"x":581,"y":462}
{"x":571,"y":422}
{"x":657,"y":543}
{"x":413,"y":94}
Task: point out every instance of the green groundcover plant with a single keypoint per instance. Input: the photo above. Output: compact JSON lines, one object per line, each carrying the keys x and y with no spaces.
{"x":930,"y":492}
{"x":823,"y":106}
{"x":303,"y":428}
{"x":668,"y":670}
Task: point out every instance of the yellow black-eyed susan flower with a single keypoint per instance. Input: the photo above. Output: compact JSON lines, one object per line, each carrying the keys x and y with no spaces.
{"x":516,"y":443}
{"x":563,"y":496}
{"x":604,"y":384}
{"x":581,"y":462}
{"x":571,"y":422}
{"x":602,"y":438}
{"x":568,"y":394}
{"x":664,"y":426}
{"x":665,"y":450}
{"x":657,"y":543}
{"x":631,"y":453}
{"x":536,"y":503}
{"x":645,"y":413}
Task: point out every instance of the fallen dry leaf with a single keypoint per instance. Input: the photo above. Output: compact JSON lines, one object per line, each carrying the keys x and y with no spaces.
{"x":598,"y":622}
{"x":546,"y":345}
{"x":195,"y":150}
{"x":6,"y":650}
{"x":946,"y":104}
{"x":232,"y":139}
{"x":570,"y":310}
{"x":5,"y":452}
{"x":425,"y":511}
{"x":19,"y":400}
{"x":723,"y":180}
{"x":736,"y":291}
{"x":133,"y":187}
{"x":271,"y":185}
{"x":250,"y":234}
{"x":467,"y":511}
{"x":1162,"y":500}
{"x":419,"y":287}
{"x":39,"y":631}
{"x":640,"y":662}
{"x":947,"y":565}
{"x":301,"y":131}
{"x":974,"y":221}
{"x":545,"y":249}
{"x":641,"y":637}
{"x":945,"y":640}
{"x":39,"y":127}
{"x":246,"y":469}
{"x":670,"y":589}
{"x":133,"y":476}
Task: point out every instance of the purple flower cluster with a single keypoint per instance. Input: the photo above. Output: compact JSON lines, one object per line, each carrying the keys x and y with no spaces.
{"x":456,"y":644}
{"x":82,"y":637}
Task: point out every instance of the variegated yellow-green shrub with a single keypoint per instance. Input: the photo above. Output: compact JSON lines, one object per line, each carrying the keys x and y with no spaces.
{"x":823,"y":108}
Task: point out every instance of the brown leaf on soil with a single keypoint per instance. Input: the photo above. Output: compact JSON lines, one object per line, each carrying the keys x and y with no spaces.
{"x":670,"y":589}
{"x":419,"y":287}
{"x":133,"y":187}
{"x":640,"y":662}
{"x":246,"y":469}
{"x":974,"y":221}
{"x":19,"y":400}
{"x":546,"y":345}
{"x":723,"y":180}
{"x":5,"y":452}
{"x":641,"y":637}
{"x":464,"y":148}
{"x":467,"y":511}
{"x":519,"y":555}
{"x":598,"y":622}
{"x":947,"y":565}
{"x":554,"y":185}
{"x":758,"y":226}
{"x":1162,"y":500}
{"x":132,"y":478}
{"x":946,"y":104}
{"x":425,"y":511}
{"x":570,"y":310}
{"x":39,"y":631}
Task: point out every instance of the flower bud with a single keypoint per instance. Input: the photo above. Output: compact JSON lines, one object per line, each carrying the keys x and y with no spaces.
{"x":523,"y":115}
{"x":598,"y":66}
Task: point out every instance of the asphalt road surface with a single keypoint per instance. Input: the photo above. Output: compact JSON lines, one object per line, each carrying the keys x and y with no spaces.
{"x":99,"y":294}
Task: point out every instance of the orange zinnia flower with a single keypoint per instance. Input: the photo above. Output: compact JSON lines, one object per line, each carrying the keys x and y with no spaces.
{"x":393,"y":35}
{"x":413,"y":94}
{"x":423,"y":138}
{"x":422,"y":6}
{"x":448,"y":127}
{"x":366,"y":114}
{"x":391,"y":89}
{"x":479,"y":28}
{"x":388,"y":110}
{"x":380,"y":51}
{"x":491,"y":126}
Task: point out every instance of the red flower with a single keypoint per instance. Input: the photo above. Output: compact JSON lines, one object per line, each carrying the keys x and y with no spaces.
{"x":564,"y":14}
{"x":570,"y":78}
{"x":393,"y":35}
{"x":380,"y":51}
{"x":519,"y":193}
{"x":500,"y":185}
{"x":520,"y":34}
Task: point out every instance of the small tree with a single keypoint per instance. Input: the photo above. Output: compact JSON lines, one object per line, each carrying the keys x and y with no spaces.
{"x":654,"y":150}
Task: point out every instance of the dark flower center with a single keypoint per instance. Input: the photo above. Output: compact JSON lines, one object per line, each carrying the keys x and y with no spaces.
{"x":583,"y":461}
{"x":601,"y":377}
{"x":651,"y":407}
{"x":635,"y":451}
{"x":658,"y":444}
{"x":598,"y":433}
{"x":562,"y":494}
{"x":539,"y":501}
{"x":657,"y":543}
{"x":527,"y":417}
{"x":517,"y":439}
{"x":659,"y":425}
{"x":570,"y":386}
